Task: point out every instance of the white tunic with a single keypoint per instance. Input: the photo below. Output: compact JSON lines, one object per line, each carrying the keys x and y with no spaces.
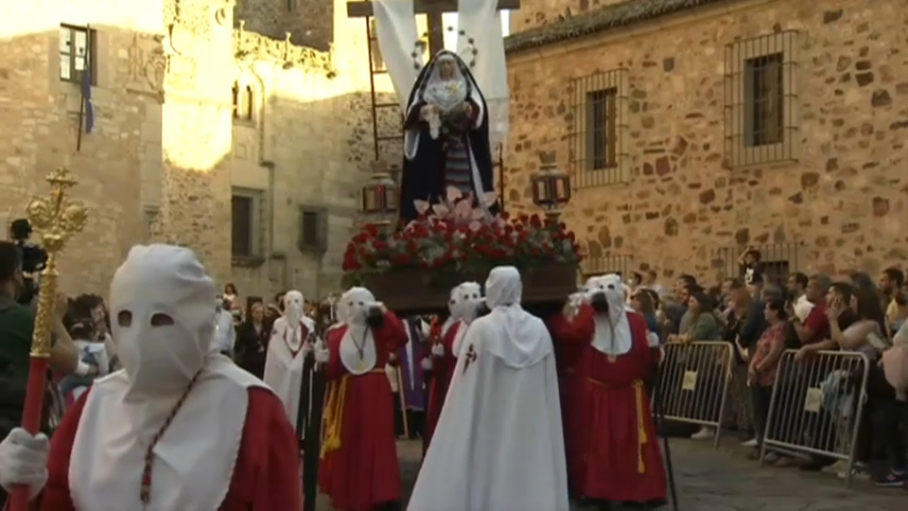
{"x":194,"y":459}
{"x":284,"y":363}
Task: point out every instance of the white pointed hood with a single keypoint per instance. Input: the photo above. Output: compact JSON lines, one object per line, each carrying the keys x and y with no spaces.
{"x":613,"y":331}
{"x":357,"y":347}
{"x":517,"y":337}
{"x":162,"y":321}
{"x":469,"y":297}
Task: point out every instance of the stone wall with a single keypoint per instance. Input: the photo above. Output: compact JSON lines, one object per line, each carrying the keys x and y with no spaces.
{"x":682,"y":208}
{"x":310,"y":22}
{"x":165,"y":154}
{"x":40,"y":125}
{"x":309,"y":145}
{"x":536,"y":13}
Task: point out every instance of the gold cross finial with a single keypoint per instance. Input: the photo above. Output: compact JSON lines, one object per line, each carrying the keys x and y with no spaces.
{"x":57,"y":218}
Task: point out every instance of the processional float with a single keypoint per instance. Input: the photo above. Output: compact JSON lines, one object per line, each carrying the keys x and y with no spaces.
{"x":57,"y":218}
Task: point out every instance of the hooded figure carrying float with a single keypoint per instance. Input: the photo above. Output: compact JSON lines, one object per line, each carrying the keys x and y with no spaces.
{"x":359,"y":469}
{"x":617,"y":457}
{"x":498,"y":444}
{"x":446,"y":138}
{"x":571,"y":384}
{"x":179,"y":427}
{"x":462,"y":307}
{"x":292,"y":337}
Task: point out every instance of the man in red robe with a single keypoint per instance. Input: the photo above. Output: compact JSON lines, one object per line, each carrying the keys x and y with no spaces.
{"x":621,"y":459}
{"x":180,"y":427}
{"x":359,"y":469}
{"x":443,"y":362}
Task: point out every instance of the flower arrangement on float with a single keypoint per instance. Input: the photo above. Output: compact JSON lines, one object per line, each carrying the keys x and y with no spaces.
{"x":457,"y":236}
{"x":454,"y":241}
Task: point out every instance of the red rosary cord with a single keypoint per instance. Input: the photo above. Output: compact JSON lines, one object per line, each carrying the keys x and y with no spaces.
{"x":304,"y":333}
{"x":145,"y":490}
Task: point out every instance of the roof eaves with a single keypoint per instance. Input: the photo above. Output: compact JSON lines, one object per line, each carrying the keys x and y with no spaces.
{"x":609,"y":17}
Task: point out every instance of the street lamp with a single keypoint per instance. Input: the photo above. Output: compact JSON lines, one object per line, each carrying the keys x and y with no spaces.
{"x":551,"y":190}
{"x":380,"y":196}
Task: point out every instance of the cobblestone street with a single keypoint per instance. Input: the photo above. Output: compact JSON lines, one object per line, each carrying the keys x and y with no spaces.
{"x":724,"y":480}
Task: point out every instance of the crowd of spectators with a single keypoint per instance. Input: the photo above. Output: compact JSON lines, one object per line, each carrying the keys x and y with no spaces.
{"x":763,"y":315}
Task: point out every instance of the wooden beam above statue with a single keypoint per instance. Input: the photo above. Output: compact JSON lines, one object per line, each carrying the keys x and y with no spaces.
{"x":364,"y":9}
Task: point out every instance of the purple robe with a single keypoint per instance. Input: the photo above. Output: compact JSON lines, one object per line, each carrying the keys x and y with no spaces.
{"x":410,"y":368}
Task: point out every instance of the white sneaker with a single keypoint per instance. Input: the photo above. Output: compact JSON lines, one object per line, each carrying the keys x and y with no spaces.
{"x":750,"y":443}
{"x":704,"y":434}
{"x":858,"y":472}
{"x":839,"y":467}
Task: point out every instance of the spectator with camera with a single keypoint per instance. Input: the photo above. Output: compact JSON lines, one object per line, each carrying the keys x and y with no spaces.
{"x":17,"y":323}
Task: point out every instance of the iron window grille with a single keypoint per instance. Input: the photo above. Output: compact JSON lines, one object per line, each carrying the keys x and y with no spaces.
{"x":597,"y":135}
{"x":761,"y":102}
{"x":248,"y":225}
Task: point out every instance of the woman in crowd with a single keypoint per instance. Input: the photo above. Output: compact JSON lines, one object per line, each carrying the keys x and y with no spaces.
{"x":866,"y":335}
{"x":702,"y":327}
{"x":234,"y":305}
{"x":761,"y":372}
{"x":643,"y":302}
{"x":252,"y":340}
{"x":738,"y":309}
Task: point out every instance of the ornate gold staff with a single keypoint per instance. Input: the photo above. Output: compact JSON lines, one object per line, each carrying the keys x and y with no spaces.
{"x":57,"y":218}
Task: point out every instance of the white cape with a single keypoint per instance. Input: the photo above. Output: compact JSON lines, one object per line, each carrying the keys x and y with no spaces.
{"x":498,"y":445}
{"x":283,"y":369}
{"x":195,"y":459}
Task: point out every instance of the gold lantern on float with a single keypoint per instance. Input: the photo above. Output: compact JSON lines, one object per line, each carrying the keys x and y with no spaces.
{"x":551,"y":190}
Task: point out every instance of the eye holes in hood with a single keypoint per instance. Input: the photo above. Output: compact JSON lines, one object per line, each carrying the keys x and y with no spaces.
{"x":124,"y":319}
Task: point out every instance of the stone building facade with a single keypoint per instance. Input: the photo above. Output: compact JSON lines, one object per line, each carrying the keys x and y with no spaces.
{"x":246,"y":147}
{"x":692,"y":129}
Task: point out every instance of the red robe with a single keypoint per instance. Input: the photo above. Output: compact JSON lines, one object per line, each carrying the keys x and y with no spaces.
{"x":571,"y":339}
{"x":442,"y":372}
{"x":265,"y":476}
{"x":359,"y":469}
{"x":621,"y":457}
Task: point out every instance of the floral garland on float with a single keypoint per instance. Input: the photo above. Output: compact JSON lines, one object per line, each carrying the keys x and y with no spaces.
{"x":414,"y":266}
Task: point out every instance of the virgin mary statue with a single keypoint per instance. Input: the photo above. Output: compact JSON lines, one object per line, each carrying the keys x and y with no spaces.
{"x":446,"y":136}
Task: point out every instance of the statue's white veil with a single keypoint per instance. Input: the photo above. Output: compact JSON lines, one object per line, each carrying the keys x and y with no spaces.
{"x":445,"y":92}
{"x":430,"y":74}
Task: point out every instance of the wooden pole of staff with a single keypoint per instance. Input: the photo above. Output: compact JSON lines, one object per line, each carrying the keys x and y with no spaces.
{"x":403,"y":398}
{"x":57,"y":218}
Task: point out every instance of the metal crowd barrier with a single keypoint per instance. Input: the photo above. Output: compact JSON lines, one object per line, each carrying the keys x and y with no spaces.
{"x":694,"y":382}
{"x":817,"y":405}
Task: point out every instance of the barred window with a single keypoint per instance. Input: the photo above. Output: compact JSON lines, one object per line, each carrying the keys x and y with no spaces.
{"x":603,"y":137}
{"x":247,"y":207}
{"x":766,"y":91}
{"x":596,"y":266}
{"x":778,"y":260}
{"x":760,"y":100}
{"x":313,"y":229}
{"x":78,"y":54}
{"x":597,"y":134}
